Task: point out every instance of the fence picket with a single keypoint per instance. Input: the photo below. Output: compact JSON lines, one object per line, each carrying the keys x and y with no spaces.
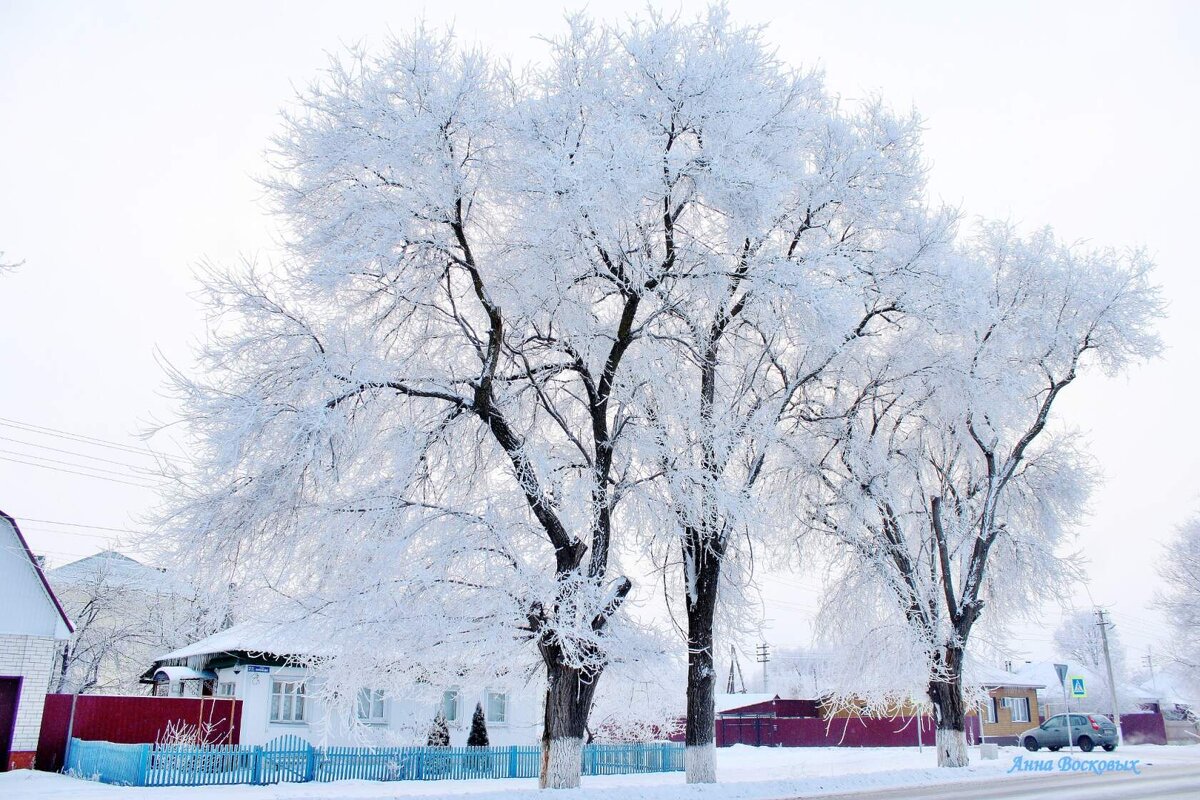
{"x":292,"y":759}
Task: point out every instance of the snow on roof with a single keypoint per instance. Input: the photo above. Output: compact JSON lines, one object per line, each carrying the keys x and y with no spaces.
{"x":1044,"y":673}
{"x":250,"y":637}
{"x":1168,"y":689}
{"x":991,"y":677}
{"x":115,"y":569}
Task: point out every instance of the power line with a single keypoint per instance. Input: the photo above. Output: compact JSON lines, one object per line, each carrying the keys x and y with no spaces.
{"x":52,"y":532}
{"x":66,"y":463}
{"x":79,"y":437}
{"x":75,"y":472}
{"x":77,"y":525}
{"x":77,"y":454}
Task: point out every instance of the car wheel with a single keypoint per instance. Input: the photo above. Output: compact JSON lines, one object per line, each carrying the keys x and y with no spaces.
{"x":1108,"y":748}
{"x":1054,"y":748}
{"x":1031,"y":744}
{"x":1086,"y":744}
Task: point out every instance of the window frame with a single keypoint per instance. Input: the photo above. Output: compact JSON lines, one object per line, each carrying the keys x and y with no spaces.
{"x":1018,"y":709}
{"x":992,"y":713}
{"x":375,"y":700}
{"x":487,"y":707}
{"x":298,"y":697}
{"x":457,"y":693}
{"x":225,"y":689}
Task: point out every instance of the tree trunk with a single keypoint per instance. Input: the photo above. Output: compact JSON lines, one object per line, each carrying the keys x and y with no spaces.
{"x":700,"y":753}
{"x":569,"y":695}
{"x":950,"y":712}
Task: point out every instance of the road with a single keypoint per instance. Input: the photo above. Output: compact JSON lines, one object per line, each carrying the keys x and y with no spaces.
{"x":1164,"y":782}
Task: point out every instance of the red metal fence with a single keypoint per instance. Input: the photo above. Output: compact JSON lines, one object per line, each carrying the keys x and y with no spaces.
{"x":837,"y":732}
{"x":1146,"y":728}
{"x":130,"y":720}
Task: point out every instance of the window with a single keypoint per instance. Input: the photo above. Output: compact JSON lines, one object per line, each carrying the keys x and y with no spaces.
{"x":1018,"y":708}
{"x":450,"y":705}
{"x":497,"y":707}
{"x":370,"y":705}
{"x":287,"y":701}
{"x":225,"y":689}
{"x":991,"y":711}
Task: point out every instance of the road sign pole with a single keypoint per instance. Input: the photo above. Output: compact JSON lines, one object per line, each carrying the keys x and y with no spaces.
{"x":1067,"y":704}
{"x":1061,"y":669}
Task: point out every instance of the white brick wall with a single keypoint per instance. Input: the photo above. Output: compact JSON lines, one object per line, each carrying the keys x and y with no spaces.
{"x":31,"y":658}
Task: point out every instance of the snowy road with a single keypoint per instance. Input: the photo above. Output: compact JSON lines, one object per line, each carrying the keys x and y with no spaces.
{"x":1156,"y":782}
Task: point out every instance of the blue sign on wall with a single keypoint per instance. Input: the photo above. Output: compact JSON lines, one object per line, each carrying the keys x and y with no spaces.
{"x":257,"y":668}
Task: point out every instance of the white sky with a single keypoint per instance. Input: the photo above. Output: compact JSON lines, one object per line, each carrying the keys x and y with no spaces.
{"x":130,"y":134}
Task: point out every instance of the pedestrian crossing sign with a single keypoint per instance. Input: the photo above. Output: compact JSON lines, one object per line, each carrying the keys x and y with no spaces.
{"x":1077,"y":687}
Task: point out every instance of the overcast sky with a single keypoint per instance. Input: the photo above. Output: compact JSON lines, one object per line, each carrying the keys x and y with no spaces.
{"x":130,"y":135}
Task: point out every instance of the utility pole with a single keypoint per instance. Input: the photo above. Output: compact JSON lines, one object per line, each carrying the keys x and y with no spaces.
{"x":1148,"y":660}
{"x":1104,"y":625}
{"x":763,"y":655}
{"x":734,"y":669}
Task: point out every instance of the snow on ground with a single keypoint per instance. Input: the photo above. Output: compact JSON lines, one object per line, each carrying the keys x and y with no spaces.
{"x":746,"y":773}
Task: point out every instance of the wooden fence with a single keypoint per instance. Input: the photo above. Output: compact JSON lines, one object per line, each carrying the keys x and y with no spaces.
{"x":290,"y":759}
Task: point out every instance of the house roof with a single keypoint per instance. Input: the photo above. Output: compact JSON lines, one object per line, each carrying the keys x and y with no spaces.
{"x":1167,"y":688}
{"x":41,"y":575}
{"x":115,"y":569}
{"x":992,"y":678}
{"x":251,"y":637}
{"x":1044,"y":673}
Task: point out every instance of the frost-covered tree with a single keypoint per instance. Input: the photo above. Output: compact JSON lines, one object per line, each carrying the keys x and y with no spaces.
{"x":420,"y":426}
{"x":1180,"y":599}
{"x":125,"y":615}
{"x":946,"y":486}
{"x":439,"y":732}
{"x":1078,"y":638}
{"x":800,"y":228}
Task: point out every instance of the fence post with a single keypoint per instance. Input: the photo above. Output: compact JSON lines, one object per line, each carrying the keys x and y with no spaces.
{"x":143,"y":764}
{"x":256,"y":777}
{"x":512,"y":761}
{"x":311,"y":769}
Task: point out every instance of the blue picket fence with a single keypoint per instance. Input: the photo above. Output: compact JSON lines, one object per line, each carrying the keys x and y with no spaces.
{"x":290,"y":759}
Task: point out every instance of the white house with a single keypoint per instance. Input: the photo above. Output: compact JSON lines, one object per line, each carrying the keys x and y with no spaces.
{"x":125,"y":614}
{"x":260,"y":665}
{"x":32,"y":623}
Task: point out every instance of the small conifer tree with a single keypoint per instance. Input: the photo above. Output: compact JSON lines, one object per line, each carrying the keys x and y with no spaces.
{"x":439,"y":734}
{"x":478,"y":736}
